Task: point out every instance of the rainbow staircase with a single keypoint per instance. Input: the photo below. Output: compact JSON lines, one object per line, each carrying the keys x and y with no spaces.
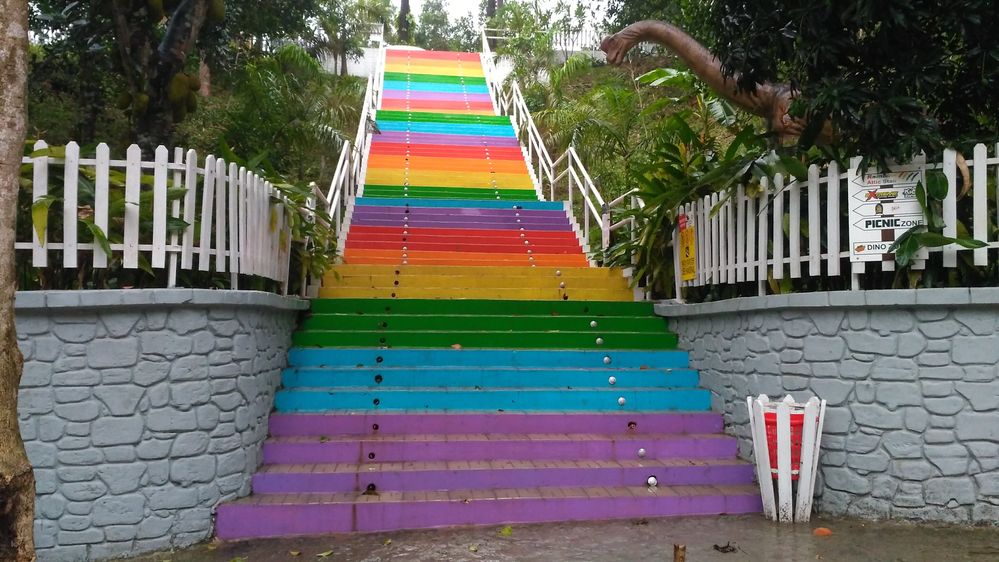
{"x":465,"y":365}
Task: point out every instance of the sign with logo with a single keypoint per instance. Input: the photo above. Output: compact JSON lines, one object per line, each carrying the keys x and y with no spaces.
{"x":883,"y":206}
{"x":688,"y":251}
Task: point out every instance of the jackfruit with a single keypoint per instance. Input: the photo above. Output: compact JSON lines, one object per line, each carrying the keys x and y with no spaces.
{"x":124,"y":101}
{"x":156,"y":12}
{"x":140,"y":104}
{"x":194,"y":81}
{"x":178,"y":88}
{"x":192,"y":102}
{"x":216,"y":11}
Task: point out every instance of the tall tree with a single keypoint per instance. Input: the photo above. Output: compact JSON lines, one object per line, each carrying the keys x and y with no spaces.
{"x":17,"y":481}
{"x":404,"y":15}
{"x":434,"y":30}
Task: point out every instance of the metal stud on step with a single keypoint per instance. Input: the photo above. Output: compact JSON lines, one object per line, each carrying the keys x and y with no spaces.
{"x":600,"y":341}
{"x":561,"y":285}
{"x":593,"y":323}
{"x":641,"y":453}
{"x":621,"y":401}
{"x":612,"y":380}
{"x":607,"y":360}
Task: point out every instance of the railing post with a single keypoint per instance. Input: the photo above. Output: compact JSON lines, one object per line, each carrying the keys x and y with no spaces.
{"x":605,"y":232}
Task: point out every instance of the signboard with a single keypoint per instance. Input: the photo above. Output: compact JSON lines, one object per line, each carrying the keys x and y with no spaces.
{"x":688,"y":252}
{"x":883,"y":206}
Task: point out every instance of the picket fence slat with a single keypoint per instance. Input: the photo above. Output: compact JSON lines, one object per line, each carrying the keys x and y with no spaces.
{"x":190,"y":202}
{"x":784,"y":499}
{"x":981,"y":201}
{"x":950,"y":206}
{"x":794,"y":227}
{"x":778,"y":218}
{"x":133,"y":179}
{"x":70,"y":205}
{"x":832,"y":219}
{"x":750,"y":239}
{"x":160,"y":207}
{"x":233,"y":207}
{"x":730,"y":243}
{"x":102,"y":180}
{"x":762,"y":249}
{"x":740,"y":230}
{"x":218,"y":178}
{"x":814,"y":223}
{"x":39,"y":191}
{"x":205,"y":238}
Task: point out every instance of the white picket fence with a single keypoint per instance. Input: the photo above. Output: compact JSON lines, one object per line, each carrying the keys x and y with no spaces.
{"x":236,"y":222}
{"x":742,"y":239}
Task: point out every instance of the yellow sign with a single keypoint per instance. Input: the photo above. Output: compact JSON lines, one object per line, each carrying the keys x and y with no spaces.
{"x":688,"y":252}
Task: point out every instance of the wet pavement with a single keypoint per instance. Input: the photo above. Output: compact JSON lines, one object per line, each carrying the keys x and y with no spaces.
{"x":749,"y":538}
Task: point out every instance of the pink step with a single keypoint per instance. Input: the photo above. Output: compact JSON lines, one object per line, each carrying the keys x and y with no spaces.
{"x":414,"y":476}
{"x":276,"y":515}
{"x":456,"y":447}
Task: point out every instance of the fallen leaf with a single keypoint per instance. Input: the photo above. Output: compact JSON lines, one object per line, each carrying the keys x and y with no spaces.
{"x":456,"y":346}
{"x":822,"y":532}
{"x":474,"y":548}
{"x":388,"y":542}
{"x":506,"y":531}
{"x":295,"y":552}
{"x":326,"y":554}
{"x":323,"y":439}
{"x":211,"y":546}
{"x":725,"y":549}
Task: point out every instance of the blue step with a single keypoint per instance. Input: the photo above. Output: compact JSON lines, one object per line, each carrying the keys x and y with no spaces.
{"x":375,"y":377}
{"x":507,"y":399}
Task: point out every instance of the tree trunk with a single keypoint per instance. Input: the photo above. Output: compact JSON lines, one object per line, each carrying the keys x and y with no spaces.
{"x":490,"y":8}
{"x":17,"y":481}
{"x":343,"y":62}
{"x":205,"y":73}
{"x":404,"y":22}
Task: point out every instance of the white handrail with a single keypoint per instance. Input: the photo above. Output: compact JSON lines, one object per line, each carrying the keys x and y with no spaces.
{"x":568,"y":167}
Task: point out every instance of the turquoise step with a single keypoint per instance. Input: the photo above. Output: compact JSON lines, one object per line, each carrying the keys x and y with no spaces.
{"x":304,"y":356}
{"x":511,"y":399}
{"x":489,"y":378}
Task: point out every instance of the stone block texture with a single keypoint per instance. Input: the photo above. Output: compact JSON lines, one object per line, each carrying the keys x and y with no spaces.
{"x":912,"y":426}
{"x":142,"y":413}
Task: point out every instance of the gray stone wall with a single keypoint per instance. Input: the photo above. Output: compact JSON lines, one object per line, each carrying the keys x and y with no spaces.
{"x":912,"y":425}
{"x":142,"y":410}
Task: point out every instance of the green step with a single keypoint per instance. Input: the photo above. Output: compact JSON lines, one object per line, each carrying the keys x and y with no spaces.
{"x":435,"y":78}
{"x":480,"y":340}
{"x":496,"y":323}
{"x":482,"y":307}
{"x":422,"y":117}
{"x":431,"y":192}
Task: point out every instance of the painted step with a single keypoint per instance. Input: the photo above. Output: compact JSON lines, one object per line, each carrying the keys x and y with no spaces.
{"x":423,"y":322}
{"x":478,"y":447}
{"x":456,"y":203}
{"x":488,"y":378}
{"x":487,"y":235}
{"x":368,"y":422}
{"x":472,"y":281}
{"x":489,"y":271}
{"x":450,"y":475}
{"x":482,"y":339}
{"x":460,"y":259}
{"x":490,"y":248}
{"x":504,"y":358}
{"x":497,"y":293}
{"x":423,"y":192}
{"x":278,"y":515}
{"x":319,"y":399}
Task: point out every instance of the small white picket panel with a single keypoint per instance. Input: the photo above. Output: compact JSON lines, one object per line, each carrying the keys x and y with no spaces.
{"x":784,"y":506}
{"x":244,"y":227}
{"x":741,"y":238}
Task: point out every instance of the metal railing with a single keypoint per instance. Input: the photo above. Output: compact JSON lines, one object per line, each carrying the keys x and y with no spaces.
{"x":564,"y":178}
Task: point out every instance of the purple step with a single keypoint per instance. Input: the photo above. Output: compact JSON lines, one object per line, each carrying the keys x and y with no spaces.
{"x":409,"y":477}
{"x":275,"y":515}
{"x":402,"y":423}
{"x":434,"y":138}
{"x":457,"y":447}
